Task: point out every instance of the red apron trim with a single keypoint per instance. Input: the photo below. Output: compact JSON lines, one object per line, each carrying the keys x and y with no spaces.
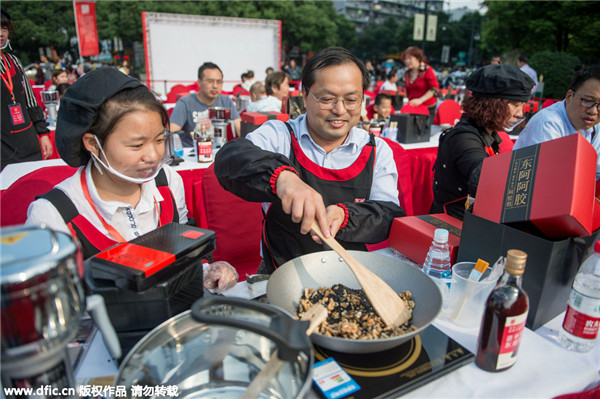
{"x":264,"y":239}
{"x":490,"y":151}
{"x":91,"y":233}
{"x":332,"y":174}
{"x":167,"y":210}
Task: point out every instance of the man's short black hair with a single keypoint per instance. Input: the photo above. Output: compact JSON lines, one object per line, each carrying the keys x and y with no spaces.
{"x":583,"y":74}
{"x":391,"y":73}
{"x":380,"y":97}
{"x":523,"y":58}
{"x":208,"y":65}
{"x":328,"y":57}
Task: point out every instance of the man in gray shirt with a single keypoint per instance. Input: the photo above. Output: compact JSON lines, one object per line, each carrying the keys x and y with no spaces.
{"x":191,"y":108}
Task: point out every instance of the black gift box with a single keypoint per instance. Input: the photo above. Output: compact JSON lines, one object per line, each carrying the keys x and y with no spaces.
{"x":550,"y":269}
{"x":131,"y":309}
{"x":412,"y":128}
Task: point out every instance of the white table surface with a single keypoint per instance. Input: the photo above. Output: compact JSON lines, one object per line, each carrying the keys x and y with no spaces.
{"x":543,"y":369}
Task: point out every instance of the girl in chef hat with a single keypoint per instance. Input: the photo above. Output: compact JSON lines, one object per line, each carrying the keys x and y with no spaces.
{"x":113,"y":129}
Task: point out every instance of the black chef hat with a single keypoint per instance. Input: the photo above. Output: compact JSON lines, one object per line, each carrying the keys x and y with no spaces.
{"x":501,"y":81}
{"x":79,"y":108}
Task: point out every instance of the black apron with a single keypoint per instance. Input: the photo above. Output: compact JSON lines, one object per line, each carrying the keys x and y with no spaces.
{"x":281,"y":239}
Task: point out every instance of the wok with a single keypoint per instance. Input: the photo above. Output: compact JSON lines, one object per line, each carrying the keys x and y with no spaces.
{"x":325,"y":269}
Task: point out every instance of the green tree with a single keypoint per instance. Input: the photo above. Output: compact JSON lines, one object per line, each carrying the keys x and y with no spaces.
{"x":40,"y":25}
{"x":378,"y":40}
{"x":557,"y":68}
{"x":531,"y":26}
{"x":311,"y":25}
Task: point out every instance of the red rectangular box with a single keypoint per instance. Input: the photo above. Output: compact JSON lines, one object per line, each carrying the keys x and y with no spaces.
{"x":546,"y":188}
{"x":413,"y":235}
{"x":258,"y":118}
{"x":146,"y":261}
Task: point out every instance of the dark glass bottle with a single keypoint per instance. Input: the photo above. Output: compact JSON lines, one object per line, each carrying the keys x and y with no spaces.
{"x":504,"y":318}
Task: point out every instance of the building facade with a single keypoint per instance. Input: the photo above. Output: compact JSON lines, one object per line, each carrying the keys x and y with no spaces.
{"x":369,"y":12}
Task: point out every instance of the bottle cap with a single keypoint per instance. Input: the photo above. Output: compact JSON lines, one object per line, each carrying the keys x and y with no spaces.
{"x":440,"y":235}
{"x":515,"y":262}
{"x":597,"y":247}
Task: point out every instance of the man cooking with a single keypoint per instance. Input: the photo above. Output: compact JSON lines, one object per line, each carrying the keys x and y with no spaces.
{"x":319,"y":166}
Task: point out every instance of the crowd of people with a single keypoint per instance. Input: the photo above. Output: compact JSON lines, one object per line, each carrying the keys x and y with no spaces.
{"x":319,"y":166}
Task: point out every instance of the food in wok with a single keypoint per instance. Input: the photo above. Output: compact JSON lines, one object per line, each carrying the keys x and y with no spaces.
{"x":351,"y":314}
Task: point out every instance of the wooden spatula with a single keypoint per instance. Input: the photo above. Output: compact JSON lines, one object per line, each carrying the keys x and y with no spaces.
{"x":316,"y":314}
{"x":386,"y":302}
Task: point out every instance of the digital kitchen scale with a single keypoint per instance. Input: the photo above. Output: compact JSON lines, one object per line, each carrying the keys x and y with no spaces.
{"x":396,"y":371}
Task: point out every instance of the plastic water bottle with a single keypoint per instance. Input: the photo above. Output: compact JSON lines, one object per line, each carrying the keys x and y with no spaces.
{"x":437,"y":264}
{"x":177,"y":145}
{"x":580,"y":326}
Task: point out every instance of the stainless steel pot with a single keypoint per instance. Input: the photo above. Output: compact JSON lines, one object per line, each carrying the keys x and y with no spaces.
{"x":325,"y":269}
{"x":42,"y":300}
{"x":217,"y":348}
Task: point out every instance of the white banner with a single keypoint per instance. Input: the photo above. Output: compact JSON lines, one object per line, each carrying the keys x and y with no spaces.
{"x":445,"y":54}
{"x":431,"y":28}
{"x":419,"y":29}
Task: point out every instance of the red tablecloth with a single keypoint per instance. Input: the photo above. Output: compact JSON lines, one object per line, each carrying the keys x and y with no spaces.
{"x":421,"y":166}
{"x":192,"y":183}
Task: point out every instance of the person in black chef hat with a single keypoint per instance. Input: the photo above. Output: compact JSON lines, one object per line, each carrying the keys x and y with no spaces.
{"x":112,"y":127}
{"x":499,"y":93}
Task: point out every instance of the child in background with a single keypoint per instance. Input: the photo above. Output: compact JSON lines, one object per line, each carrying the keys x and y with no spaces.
{"x":382,"y":107}
{"x":258,"y":97}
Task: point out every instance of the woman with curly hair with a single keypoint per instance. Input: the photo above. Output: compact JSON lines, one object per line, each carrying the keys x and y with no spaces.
{"x":499,"y":93}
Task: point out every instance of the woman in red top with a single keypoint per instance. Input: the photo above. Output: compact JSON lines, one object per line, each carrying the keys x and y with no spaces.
{"x":419,"y":80}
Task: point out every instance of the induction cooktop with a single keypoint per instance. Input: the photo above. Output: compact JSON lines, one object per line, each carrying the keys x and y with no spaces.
{"x":396,"y":371}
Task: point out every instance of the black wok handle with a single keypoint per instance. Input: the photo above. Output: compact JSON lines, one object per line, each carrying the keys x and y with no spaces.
{"x":288,"y":334}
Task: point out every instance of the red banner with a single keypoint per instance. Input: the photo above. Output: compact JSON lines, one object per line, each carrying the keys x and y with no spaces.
{"x":87,"y":32}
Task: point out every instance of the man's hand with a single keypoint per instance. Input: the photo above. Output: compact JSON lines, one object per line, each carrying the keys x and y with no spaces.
{"x":46,"y":146}
{"x":302,"y":202}
{"x":335,"y":218}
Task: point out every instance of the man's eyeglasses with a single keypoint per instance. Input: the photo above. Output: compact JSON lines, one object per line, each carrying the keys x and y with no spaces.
{"x":329,"y":102}
{"x":213,"y":81}
{"x":588,"y":103}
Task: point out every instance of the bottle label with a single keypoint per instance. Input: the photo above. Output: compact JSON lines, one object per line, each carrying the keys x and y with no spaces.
{"x":580,"y":324}
{"x":511,"y":337}
{"x":205,"y":151}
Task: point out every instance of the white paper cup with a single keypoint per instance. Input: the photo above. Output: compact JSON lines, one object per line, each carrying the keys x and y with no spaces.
{"x":466,"y":299}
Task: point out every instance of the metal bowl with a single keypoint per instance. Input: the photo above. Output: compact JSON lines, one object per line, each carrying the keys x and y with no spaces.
{"x":325,"y":269}
{"x":219,"y":359}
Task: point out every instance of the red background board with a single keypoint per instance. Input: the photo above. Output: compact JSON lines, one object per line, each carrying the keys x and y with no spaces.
{"x":562,"y":201}
{"x":413,"y":235}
